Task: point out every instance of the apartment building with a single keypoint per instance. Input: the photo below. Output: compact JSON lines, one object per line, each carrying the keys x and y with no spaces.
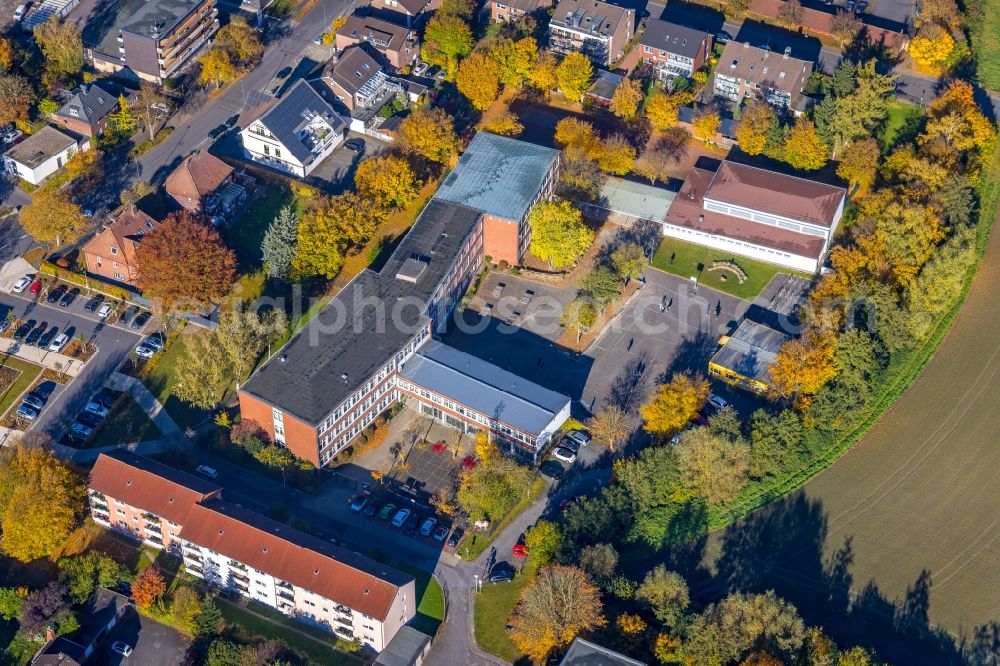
{"x":504,"y":178}
{"x":598,"y":30}
{"x":152,"y":40}
{"x":358,"y":80}
{"x":238,"y":550}
{"x":749,"y":71}
{"x":757,"y":213}
{"x":409,"y":13}
{"x":512,"y":11}
{"x":396,"y":45}
{"x":673,"y":49}
{"x":296,"y":134}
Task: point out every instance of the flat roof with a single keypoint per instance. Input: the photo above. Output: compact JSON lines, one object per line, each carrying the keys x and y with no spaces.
{"x":404,"y":648}
{"x":484,"y":387}
{"x":350,"y":339}
{"x":145,"y":18}
{"x":40,"y":146}
{"x":645,"y":202}
{"x":751,"y":350}
{"x":498,"y":175}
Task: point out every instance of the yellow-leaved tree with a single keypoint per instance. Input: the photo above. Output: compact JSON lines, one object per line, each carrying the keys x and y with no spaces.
{"x":573,"y":75}
{"x":804,"y":148}
{"x":558,"y":234}
{"x":429,"y":133}
{"x":388,"y":180}
{"x":859,"y":163}
{"x":661,"y":109}
{"x":931,"y":47}
{"x":504,"y":124}
{"x":756,"y":120}
{"x":479,"y":79}
{"x":625,"y":101}
{"x":617,"y":155}
{"x":706,"y":124}
{"x":802,"y":367}
{"x":674,"y":404}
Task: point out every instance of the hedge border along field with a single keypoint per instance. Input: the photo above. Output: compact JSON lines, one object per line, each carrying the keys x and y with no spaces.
{"x":898,"y":376}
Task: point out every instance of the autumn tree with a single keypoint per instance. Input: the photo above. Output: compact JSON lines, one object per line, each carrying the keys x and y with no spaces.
{"x":574,"y":74}
{"x":492,"y":488}
{"x":804,"y":149}
{"x":147,"y":587}
{"x":542,"y":541}
{"x":666,"y":594}
{"x":206,"y":375}
{"x":657,"y":162}
{"x":855,"y":113}
{"x":625,"y":101}
{"x":150,"y":105}
{"x":184,"y":259}
{"x":706,"y":124}
{"x":859,"y":164}
{"x":943,"y":12}
{"x":241,"y":41}
{"x":504,"y":124}
{"x":121,"y":121}
{"x":662,"y":109}
{"x":558,"y":234}
{"x":729,"y":629}
{"x":479,"y":79}
{"x":579,"y":137}
{"x":610,"y":426}
{"x":17,"y":95}
{"x":85,"y":167}
{"x":802,"y":367}
{"x":580,"y":177}
{"x":674,"y":404}
{"x":617,"y":156}
{"x":185,"y":607}
{"x":845,"y":26}
{"x":514,"y":60}
{"x":52,"y":217}
{"x":711,"y":466}
{"x":40,"y":498}
{"x":447,"y":38}
{"x":278,"y":248}
{"x":601,"y":286}
{"x":429,"y":133}
{"x":755,"y":123}
{"x":629,"y":260}
{"x":954,"y":117}
{"x":244,"y":333}
{"x":61,"y":46}
{"x":553,"y":609}
{"x":6,"y":55}
{"x":217,"y":67}
{"x":931,"y":47}
{"x":939,"y":283}
{"x":543,"y":75}
{"x":388,"y":180}
{"x":599,"y":561}
{"x":328,"y":230}
{"x":579,"y":316}
{"x":790,"y":13}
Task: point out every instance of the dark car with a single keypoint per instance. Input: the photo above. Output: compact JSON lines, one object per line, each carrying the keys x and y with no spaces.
{"x":456,"y":536}
{"x":502,"y":572}
{"x":412,"y":524}
{"x":552,"y":469}
{"x":47,"y":337}
{"x":140,"y":321}
{"x":89,"y":418}
{"x":36,"y":333}
{"x":94,"y":303}
{"x":371,"y":509}
{"x":126,"y":316}
{"x":284,"y":72}
{"x":34,"y":400}
{"x":355,"y":145}
{"x":722,"y":37}
{"x":105,"y":398}
{"x":70,"y":296}
{"x":56,"y":294}
{"x":24,"y":329}
{"x":218,"y":131}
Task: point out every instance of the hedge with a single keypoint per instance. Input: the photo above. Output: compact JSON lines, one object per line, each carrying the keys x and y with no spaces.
{"x":112,"y":290}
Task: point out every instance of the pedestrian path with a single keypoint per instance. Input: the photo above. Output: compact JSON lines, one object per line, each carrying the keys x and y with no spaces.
{"x":58,"y":362}
{"x":147,"y":402}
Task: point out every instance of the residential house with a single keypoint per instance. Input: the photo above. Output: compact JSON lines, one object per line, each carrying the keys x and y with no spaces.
{"x":409,"y":13}
{"x":240,"y":551}
{"x":512,"y":11}
{"x":111,"y":254}
{"x":672,"y":49}
{"x":584,"y":653}
{"x":744,"y":359}
{"x":358,"y":80}
{"x":86,"y":111}
{"x":102,"y":612}
{"x":504,"y":178}
{"x":599,"y":30}
{"x":602,"y":90}
{"x":43,"y":153}
{"x":296,"y":134}
{"x":397,"y":45}
{"x":765,"y":215}
{"x":746,"y":71}
{"x":152,"y":40}
{"x":204,"y":183}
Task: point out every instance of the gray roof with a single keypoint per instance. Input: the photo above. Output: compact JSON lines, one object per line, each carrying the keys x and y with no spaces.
{"x":751,"y":350}
{"x":593,"y":16}
{"x":294,"y":112}
{"x":156,"y":19}
{"x":498,"y":175}
{"x":345,"y":343}
{"x":484,"y":387}
{"x":90,"y":103}
{"x":636,"y":199}
{"x":673,"y":38}
{"x":404,"y":648}
{"x":585,"y":653}
{"x":605,"y":84}
{"x":40,"y":146}
{"x":354,"y":69}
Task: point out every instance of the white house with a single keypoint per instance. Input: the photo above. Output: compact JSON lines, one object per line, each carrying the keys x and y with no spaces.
{"x":765,"y":215}
{"x":296,"y":134}
{"x":43,"y":153}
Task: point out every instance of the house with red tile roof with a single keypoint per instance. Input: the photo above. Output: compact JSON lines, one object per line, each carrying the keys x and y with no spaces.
{"x":111,"y":254}
{"x":197,"y":181}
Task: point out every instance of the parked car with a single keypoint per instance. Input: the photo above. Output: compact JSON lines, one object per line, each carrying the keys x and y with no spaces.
{"x":722,"y":36}
{"x":411,"y":525}
{"x":552,"y":470}
{"x":578,"y":436}
{"x":21,"y":284}
{"x":36,"y":333}
{"x":89,"y":418}
{"x":81,"y":429}
{"x":717,"y":401}
{"x":56,"y":294}
{"x":70,"y":296}
{"x":564,"y":454}
{"x":124,"y":649}
{"x":142,"y":351}
{"x":456,"y":537}
{"x":441,"y":533}
{"x":420,"y":69}
{"x":27,"y":412}
{"x":36,"y":288}
{"x":105,"y":397}
{"x":23,"y":330}
{"x":569,"y":444}
{"x":501,"y":575}
{"x":319,"y":39}
{"x":400,"y":517}
{"x":519,"y":550}
{"x":699,"y":420}
{"x":34,"y":400}
{"x":94,"y":303}
{"x":371,"y":509}
{"x":47,"y":337}
{"x":97,"y":408}
{"x":205,"y":470}
{"x":428,"y":526}
{"x":104,"y":311}
{"x":355,"y":146}
{"x":59,"y":342}
{"x":19,"y":12}
{"x":154,"y":341}
{"x":386,"y":511}
{"x":140,"y":321}
{"x":126,"y":316}
{"x":359,"y":502}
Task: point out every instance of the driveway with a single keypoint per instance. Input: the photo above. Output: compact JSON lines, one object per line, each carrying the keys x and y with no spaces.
{"x":153,"y":644}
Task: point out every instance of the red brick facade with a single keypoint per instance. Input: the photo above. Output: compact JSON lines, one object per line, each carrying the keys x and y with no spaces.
{"x":300,"y":438}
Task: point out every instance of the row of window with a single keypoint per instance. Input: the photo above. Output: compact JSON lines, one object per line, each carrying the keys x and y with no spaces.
{"x":730,"y":241}
{"x":754,"y":216}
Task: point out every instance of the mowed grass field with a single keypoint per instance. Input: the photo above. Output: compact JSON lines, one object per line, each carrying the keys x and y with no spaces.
{"x":909,"y":513}
{"x":986,"y":43}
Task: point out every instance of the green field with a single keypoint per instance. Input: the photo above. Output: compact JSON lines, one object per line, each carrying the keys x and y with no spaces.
{"x":160,"y":382}
{"x":986,"y":44}
{"x":901,"y":125}
{"x":494,"y":606}
{"x":126,"y":424}
{"x":430,"y":607}
{"x":28,"y":373}
{"x":687,"y":259}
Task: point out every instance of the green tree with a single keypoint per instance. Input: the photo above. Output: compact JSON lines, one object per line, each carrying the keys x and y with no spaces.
{"x":573,"y":75}
{"x":712,"y":467}
{"x":579,"y":316}
{"x":543,"y":541}
{"x":11,"y":599}
{"x":210,"y":621}
{"x":844,"y":81}
{"x":558,"y":234}
{"x":601,"y":286}
{"x":202,"y":380}
{"x":856,"y":115}
{"x":278,"y":248}
{"x":940,"y":281}
{"x":84,"y":573}
{"x":48,"y":106}
{"x":121,"y":121}
{"x":479,"y":79}
{"x":185,"y":609}
{"x":61,"y":46}
{"x":726,"y":631}
{"x":491,"y":490}
{"x":447,"y":38}
{"x":775,"y":441}
{"x":666,"y":594}
{"x":625,"y":101}
{"x":629,"y":260}
{"x":244,"y":333}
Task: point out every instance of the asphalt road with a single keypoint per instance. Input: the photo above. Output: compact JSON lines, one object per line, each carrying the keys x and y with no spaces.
{"x":113,"y":342}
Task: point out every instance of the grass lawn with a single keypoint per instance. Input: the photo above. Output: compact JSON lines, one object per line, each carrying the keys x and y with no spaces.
{"x":430,"y":608}
{"x":986,"y":43}
{"x":160,"y":382}
{"x":493,"y":606}
{"x":317,"y":645}
{"x":245,"y":233}
{"x":29,"y":371}
{"x":902,"y":123}
{"x":126,"y":424}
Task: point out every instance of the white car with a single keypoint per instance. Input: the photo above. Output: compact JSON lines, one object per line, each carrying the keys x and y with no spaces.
{"x":104,"y":311}
{"x":81,"y":429}
{"x":19,"y":12}
{"x":564,"y":454}
{"x":717,"y":401}
{"x":124,"y":649}
{"x":205,"y":470}
{"x":142,"y":351}
{"x":401,"y":517}
{"x":97,"y":409}
{"x":58,"y":343}
{"x":153,"y":342}
{"x":21,"y":284}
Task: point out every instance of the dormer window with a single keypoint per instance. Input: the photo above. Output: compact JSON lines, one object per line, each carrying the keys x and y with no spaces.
{"x":114,"y":250}
{"x":75,"y":112}
{"x":149,"y":225}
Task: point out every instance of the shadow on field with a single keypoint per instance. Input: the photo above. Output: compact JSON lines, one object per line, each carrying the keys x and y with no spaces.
{"x":780,"y":548}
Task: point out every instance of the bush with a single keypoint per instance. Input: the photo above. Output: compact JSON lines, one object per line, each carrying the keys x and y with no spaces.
{"x":144,"y":147}
{"x":62,"y":262}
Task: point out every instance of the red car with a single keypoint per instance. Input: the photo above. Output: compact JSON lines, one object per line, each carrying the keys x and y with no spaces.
{"x":699,"y":420}
{"x":519,"y":550}
{"x":36,"y":288}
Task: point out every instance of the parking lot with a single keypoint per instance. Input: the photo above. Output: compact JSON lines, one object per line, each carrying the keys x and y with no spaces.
{"x":153,"y":644}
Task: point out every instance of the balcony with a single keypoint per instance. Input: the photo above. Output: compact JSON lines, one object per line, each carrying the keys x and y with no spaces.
{"x":233,"y":564}
{"x":192,"y":557}
{"x":193,"y":569}
{"x":154,"y":539}
{"x":98,"y":496}
{"x":152,"y":517}
{"x":343,"y":632}
{"x":282,"y":594}
{"x":99,"y":505}
{"x":283,"y":584}
{"x":102,"y":517}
